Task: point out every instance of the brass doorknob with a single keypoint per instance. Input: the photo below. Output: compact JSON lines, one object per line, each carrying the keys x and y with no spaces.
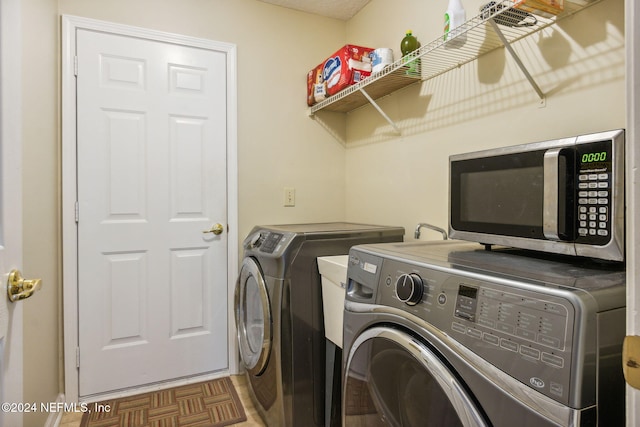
{"x":217,"y":229}
{"x":20,"y":288}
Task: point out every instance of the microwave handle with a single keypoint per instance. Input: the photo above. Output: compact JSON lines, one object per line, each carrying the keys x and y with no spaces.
{"x":550,"y":194}
{"x":557,"y":215}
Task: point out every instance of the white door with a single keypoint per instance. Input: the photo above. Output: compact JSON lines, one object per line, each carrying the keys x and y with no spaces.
{"x":151,"y":159}
{"x":11,"y":366}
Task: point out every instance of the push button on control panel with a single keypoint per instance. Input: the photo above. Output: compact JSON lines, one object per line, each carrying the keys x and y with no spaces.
{"x":593,"y":204}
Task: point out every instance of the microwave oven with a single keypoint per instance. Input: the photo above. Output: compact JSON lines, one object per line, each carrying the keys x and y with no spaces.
{"x":563,"y":196}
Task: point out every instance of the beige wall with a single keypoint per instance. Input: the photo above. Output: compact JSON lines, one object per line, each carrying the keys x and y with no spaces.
{"x":365,"y":174}
{"x":41,"y":202}
{"x":578,"y":63}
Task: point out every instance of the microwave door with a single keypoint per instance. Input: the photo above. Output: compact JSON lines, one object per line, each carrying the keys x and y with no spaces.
{"x":498,"y":198}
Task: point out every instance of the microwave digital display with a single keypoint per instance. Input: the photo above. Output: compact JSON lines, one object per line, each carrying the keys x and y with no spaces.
{"x":600,"y":156}
{"x":596,"y":157}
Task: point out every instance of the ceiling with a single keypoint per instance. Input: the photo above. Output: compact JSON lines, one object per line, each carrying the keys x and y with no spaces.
{"x":339,"y":9}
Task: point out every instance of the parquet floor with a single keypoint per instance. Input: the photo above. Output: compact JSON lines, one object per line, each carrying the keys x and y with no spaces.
{"x":239,"y":382}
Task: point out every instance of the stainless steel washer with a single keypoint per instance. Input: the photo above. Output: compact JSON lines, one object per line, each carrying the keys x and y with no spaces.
{"x":279,"y":315}
{"x":447,"y":333}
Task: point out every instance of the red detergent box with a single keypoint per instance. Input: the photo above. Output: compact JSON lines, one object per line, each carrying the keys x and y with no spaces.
{"x":347,"y":66}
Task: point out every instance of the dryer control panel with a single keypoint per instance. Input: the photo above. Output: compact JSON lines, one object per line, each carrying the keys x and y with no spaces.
{"x":268,"y":242}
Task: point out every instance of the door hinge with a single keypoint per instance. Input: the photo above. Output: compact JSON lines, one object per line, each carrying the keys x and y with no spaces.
{"x":77,"y":357}
{"x":77,"y":212}
{"x":75,"y":66}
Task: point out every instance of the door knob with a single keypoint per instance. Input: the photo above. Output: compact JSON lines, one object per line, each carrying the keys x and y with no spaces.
{"x":20,"y":288}
{"x":217,"y":229}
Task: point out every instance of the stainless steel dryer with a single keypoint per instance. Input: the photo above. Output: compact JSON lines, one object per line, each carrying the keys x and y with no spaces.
{"x":450,"y":334}
{"x":279,"y":314}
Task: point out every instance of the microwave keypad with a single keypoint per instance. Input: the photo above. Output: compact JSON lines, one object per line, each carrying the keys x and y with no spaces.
{"x":593,"y":205}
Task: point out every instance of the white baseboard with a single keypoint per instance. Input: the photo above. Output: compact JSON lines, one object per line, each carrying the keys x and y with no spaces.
{"x":154,"y":387}
{"x":55,"y":417}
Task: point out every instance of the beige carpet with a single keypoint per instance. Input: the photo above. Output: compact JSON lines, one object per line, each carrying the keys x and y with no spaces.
{"x":212,"y":403}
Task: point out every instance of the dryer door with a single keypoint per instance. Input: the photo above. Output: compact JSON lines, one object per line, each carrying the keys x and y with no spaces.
{"x":391,"y":378}
{"x":253,"y":317}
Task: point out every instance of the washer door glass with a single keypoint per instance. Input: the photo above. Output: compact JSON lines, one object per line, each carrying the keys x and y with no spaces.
{"x":392,"y":379}
{"x":253,"y":317}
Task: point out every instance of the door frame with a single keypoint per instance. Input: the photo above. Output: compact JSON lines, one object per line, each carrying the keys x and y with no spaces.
{"x":632,"y":46}
{"x":11,"y":160}
{"x":70,"y":25}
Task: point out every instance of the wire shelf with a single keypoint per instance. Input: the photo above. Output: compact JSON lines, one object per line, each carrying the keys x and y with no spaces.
{"x":498,"y":24}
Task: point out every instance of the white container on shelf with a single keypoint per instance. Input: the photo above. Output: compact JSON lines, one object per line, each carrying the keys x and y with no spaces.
{"x":454,"y":17}
{"x":380,"y":58}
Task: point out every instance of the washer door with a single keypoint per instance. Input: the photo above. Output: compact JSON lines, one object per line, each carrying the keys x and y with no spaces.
{"x":391,"y":378}
{"x":253,"y":317}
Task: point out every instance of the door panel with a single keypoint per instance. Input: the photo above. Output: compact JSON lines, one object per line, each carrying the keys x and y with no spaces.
{"x":152,"y":286}
{"x":189,"y":303}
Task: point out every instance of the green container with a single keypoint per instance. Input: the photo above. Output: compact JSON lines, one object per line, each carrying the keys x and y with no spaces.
{"x":408,"y":44}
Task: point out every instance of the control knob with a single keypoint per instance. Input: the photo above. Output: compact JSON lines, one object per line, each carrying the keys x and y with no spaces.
{"x":255,"y":240}
{"x":409,"y":288}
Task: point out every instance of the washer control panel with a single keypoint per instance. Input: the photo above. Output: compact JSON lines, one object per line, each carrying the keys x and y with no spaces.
{"x":554,"y":326}
{"x":527,"y":333}
{"x":535,"y":320}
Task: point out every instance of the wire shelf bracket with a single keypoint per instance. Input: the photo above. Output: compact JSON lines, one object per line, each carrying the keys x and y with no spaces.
{"x":381,"y":111}
{"x":516,"y":58}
